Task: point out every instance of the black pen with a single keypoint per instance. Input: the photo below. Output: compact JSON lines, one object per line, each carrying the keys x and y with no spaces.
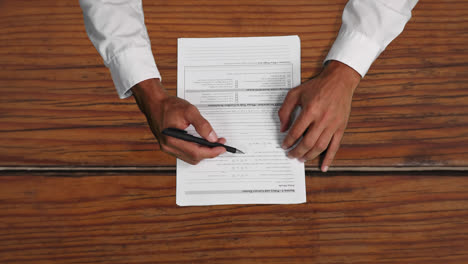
{"x":182,"y":134}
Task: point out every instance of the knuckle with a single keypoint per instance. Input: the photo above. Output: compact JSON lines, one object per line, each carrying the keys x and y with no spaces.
{"x":292,"y":153}
{"x":282,"y":118}
{"x":190,"y":109}
{"x":310,"y":111}
{"x":333,"y":119}
{"x":193,"y":162}
{"x":288,"y":141}
{"x":307,"y":142}
{"x":293,"y":91}
{"x":321,"y":145}
{"x":166,"y":107}
{"x":308,"y":156}
{"x":195,"y":155}
{"x":281,"y":111}
{"x":294,"y":135}
{"x":291,"y":95}
{"x":204,"y":125}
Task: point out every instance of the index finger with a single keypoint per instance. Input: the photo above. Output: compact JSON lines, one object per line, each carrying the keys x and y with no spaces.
{"x":297,"y":130}
{"x":194,"y":150}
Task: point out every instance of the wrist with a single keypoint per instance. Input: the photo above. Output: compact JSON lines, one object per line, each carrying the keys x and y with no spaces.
{"x":149,"y":95}
{"x":342,"y":71}
{"x":149,"y":90}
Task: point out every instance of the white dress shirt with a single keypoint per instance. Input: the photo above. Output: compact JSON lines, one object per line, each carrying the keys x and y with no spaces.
{"x":117,"y":30}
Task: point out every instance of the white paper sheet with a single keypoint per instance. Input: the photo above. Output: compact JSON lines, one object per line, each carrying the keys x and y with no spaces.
{"x":238,"y":84}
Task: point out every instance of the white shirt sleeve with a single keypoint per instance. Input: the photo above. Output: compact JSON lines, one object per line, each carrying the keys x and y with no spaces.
{"x":368,"y":26}
{"x":117,"y":30}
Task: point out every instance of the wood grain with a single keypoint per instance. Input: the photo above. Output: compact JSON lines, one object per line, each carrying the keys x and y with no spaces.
{"x":58,"y":105}
{"x":363,"y":218}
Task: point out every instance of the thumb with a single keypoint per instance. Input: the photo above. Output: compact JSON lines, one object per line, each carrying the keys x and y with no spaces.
{"x":202,"y":126}
{"x":289,"y":104}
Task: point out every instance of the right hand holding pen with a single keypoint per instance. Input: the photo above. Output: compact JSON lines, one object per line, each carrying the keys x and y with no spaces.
{"x":163,"y":111}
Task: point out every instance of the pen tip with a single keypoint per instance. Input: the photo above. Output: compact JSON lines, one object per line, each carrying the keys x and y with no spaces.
{"x":238,"y":151}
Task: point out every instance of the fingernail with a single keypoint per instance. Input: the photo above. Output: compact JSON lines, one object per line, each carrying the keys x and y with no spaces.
{"x":302,"y":160}
{"x":325,"y":169}
{"x":289,"y":156}
{"x":212,"y":137}
{"x":284,"y":146}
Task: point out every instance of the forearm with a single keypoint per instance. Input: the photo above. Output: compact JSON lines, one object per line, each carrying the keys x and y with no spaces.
{"x":117,"y":30}
{"x":368,"y":26}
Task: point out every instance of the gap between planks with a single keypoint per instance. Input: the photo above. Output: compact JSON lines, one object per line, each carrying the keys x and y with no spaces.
{"x":173,"y":169}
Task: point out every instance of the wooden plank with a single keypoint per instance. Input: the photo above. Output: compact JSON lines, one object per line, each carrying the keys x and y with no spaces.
{"x":132,"y":218}
{"x":59,"y":107}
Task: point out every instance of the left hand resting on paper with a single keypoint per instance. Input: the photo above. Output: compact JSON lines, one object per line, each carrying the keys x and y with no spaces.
{"x":326,"y":105}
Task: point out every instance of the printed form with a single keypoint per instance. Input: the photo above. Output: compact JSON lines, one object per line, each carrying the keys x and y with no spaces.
{"x":238,"y":84}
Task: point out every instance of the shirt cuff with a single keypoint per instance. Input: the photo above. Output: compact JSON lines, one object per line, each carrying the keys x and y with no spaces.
{"x":130,"y":67}
{"x":355,"y":50}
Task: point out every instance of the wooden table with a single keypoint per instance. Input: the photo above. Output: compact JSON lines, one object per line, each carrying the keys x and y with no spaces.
{"x":82,"y":179}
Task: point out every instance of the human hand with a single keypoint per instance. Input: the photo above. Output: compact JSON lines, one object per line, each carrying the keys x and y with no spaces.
{"x":163,"y":111}
{"x":326,"y":105}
